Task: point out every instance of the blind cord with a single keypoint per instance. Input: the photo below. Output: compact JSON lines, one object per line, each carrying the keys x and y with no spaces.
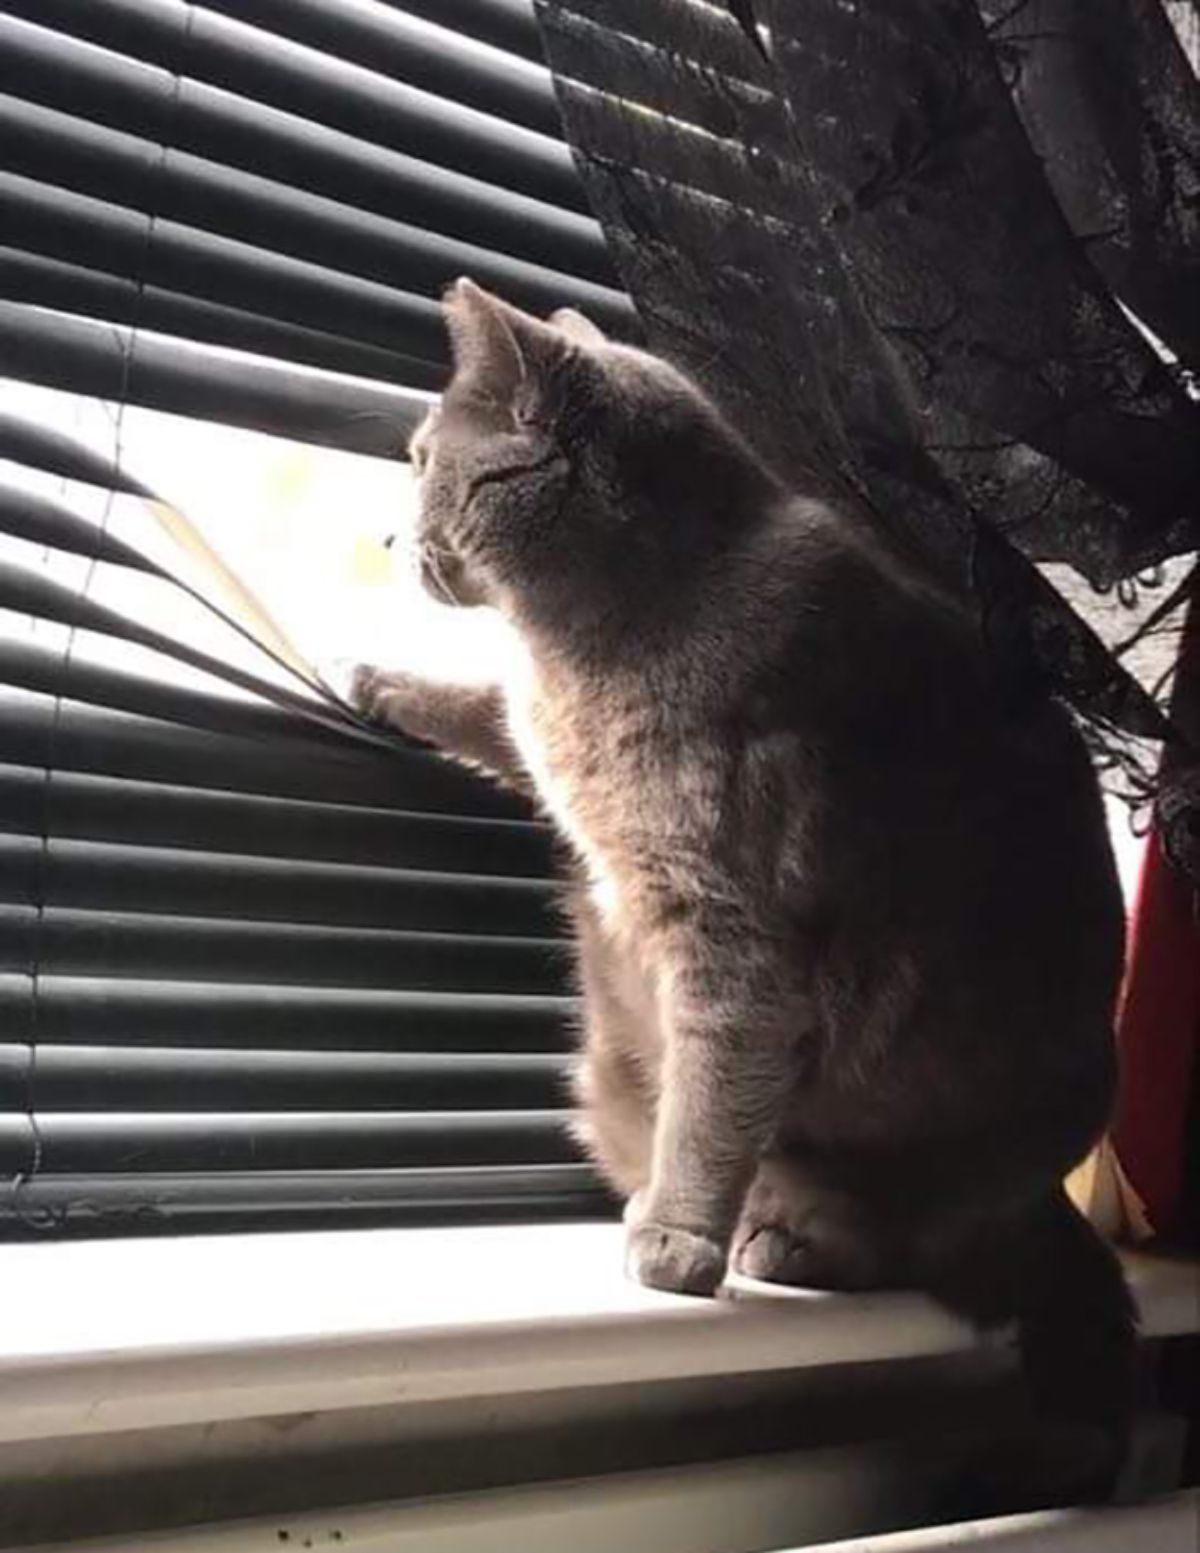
{"x":49,"y":1218}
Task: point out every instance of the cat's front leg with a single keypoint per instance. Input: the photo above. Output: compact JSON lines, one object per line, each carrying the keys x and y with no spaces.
{"x":466,"y":722}
{"x":727,"y":1068}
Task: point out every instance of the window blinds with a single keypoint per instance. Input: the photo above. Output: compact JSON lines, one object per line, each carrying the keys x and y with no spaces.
{"x":256,"y":968}
{"x":297,"y":179}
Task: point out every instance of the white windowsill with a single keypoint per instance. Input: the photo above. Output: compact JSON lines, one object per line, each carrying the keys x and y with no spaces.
{"x":131,"y":1334}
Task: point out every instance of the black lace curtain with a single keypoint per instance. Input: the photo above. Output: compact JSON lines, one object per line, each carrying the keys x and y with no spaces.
{"x":940,"y":259}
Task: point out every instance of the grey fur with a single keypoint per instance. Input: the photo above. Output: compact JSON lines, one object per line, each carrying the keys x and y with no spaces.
{"x":849,"y":929}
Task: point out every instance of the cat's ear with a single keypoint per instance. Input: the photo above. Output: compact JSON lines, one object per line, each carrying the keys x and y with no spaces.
{"x":576,"y":327}
{"x":501,"y":350}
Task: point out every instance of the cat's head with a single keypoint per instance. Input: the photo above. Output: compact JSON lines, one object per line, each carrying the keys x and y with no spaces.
{"x":560,"y":467}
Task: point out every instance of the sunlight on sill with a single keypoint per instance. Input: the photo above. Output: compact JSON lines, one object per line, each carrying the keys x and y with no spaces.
{"x":106,"y":1335}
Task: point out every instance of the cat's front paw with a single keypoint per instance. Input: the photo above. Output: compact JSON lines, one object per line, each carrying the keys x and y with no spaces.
{"x":385,"y":696}
{"x":677,"y":1260}
{"x":365,"y":688}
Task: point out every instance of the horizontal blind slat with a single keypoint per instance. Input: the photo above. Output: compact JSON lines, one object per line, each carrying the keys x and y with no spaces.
{"x":101,"y":360}
{"x":84,"y":875}
{"x":691,"y":94}
{"x":262,"y":67}
{"x":76,"y":1142}
{"x":15,"y":1068}
{"x":121,"y":156}
{"x":385,"y":41}
{"x":752,"y":194}
{"x":30,"y":665}
{"x":87,"y":808}
{"x":208,"y":289}
{"x":70,"y":288}
{"x":18,"y":1145}
{"x":94,"y":740}
{"x":113,"y":1011}
{"x":505,"y":24}
{"x":66,"y":942}
{"x":117,"y":1012}
{"x":43,"y":447}
{"x":392,"y":44}
{"x":344,"y":261}
{"x":43,"y":521}
{"x":150,"y":1079}
{"x":231,"y":1199}
{"x":33,"y":590}
{"x":707,"y":34}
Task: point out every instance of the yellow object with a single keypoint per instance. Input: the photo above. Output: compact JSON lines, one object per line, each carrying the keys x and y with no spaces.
{"x":1102,"y":1191}
{"x":371,"y":562}
{"x":289,"y":478}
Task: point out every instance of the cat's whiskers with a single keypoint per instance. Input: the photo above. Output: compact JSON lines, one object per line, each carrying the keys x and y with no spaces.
{"x":432,"y":557}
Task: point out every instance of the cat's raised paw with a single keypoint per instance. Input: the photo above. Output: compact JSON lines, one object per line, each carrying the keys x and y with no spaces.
{"x":386,"y":696}
{"x":676,"y":1260}
{"x":365,"y":688}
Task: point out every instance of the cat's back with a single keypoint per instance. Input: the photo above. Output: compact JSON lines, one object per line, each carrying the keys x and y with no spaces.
{"x":961,"y":830}
{"x":934,"y":771}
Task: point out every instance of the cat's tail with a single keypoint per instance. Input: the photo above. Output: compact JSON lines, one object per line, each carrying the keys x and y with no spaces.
{"x":1047,"y":1270}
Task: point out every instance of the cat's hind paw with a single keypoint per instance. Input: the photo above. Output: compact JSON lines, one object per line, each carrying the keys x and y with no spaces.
{"x":675,"y":1260}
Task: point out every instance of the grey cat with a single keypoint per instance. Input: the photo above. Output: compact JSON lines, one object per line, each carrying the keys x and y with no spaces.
{"x":849,"y":932}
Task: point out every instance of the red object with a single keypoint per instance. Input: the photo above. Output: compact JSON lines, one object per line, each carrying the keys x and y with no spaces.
{"x":1159,"y":1022}
{"x":1159,"y":1041}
